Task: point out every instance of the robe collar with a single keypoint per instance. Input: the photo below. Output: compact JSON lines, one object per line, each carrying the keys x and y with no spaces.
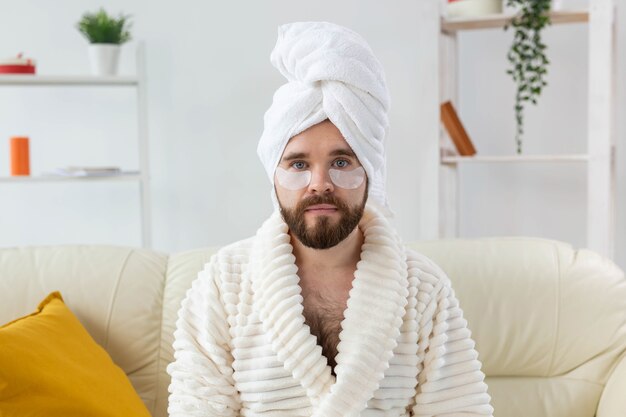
{"x":371,"y":324}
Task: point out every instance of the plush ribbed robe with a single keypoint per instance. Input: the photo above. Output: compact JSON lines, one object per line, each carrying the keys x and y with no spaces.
{"x":242,"y":347}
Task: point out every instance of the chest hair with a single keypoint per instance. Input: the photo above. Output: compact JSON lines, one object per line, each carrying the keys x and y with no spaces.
{"x":323,"y":315}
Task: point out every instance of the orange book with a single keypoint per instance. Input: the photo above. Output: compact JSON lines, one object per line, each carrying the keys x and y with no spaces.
{"x":20,"y":158}
{"x":453,"y":125}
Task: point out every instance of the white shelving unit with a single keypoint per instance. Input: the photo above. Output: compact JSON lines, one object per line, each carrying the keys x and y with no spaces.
{"x":453,"y":160}
{"x":139,"y":84}
{"x":63,"y":80}
{"x":600,"y":156}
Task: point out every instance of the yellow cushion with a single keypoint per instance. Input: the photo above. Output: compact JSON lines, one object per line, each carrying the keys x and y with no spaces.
{"x":50,"y":366}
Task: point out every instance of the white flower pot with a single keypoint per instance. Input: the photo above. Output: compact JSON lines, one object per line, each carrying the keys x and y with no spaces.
{"x":473,"y":8}
{"x":509,"y":10}
{"x":103,"y":58}
{"x":555,"y":5}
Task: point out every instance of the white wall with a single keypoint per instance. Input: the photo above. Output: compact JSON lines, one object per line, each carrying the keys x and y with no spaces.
{"x":620,"y":158}
{"x":547,"y":200}
{"x":209,"y":84}
{"x":210,"y":81}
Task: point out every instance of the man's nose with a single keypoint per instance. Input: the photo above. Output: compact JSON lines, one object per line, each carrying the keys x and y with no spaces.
{"x":320,"y":181}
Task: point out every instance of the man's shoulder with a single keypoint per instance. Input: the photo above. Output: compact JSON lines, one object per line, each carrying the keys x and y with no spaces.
{"x":425,"y":265}
{"x":230,"y":258}
{"x":236,"y":250}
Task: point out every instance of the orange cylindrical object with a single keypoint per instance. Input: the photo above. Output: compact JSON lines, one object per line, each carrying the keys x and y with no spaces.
{"x":20,"y":156}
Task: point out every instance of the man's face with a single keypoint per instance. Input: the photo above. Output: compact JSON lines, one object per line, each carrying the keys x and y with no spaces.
{"x":320,"y":214}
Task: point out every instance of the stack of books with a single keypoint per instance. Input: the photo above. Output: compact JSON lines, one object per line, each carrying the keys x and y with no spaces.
{"x":456,"y":131}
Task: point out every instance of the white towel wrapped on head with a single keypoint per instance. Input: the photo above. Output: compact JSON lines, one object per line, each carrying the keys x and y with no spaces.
{"x":332,"y":74}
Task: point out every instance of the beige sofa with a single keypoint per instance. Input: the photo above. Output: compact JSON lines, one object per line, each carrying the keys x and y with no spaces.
{"x":549,"y":320}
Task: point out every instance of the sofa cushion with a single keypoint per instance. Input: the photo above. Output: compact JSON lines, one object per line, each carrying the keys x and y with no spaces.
{"x":116,"y":293}
{"x":50,"y":366}
{"x":549,"y":320}
{"x":182,"y":269}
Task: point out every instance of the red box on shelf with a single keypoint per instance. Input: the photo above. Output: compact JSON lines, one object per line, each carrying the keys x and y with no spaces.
{"x":17,"y":65}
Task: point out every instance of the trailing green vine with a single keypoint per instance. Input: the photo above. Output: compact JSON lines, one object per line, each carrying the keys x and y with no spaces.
{"x":527,"y":56}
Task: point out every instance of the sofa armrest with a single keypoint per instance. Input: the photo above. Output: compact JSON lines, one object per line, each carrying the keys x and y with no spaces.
{"x":613,"y":401}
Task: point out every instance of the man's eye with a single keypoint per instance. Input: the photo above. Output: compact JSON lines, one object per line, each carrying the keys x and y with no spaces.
{"x":342,"y":163}
{"x":298,"y":165}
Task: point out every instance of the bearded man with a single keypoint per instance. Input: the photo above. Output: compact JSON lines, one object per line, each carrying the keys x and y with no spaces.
{"x":324,"y":312}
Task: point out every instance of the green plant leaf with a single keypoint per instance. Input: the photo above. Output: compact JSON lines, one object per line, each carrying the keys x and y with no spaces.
{"x":527,"y":58}
{"x":99,"y":27}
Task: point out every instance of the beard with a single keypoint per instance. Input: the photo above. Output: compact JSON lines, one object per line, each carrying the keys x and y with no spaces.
{"x":323,"y":234}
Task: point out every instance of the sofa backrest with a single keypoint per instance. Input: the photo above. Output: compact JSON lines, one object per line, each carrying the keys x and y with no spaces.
{"x":117,"y":293}
{"x":549,"y":321}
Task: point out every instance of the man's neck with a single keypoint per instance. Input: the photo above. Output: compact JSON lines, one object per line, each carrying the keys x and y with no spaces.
{"x":340,"y":258}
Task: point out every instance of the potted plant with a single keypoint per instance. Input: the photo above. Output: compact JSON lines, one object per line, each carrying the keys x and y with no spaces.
{"x":105,"y":34}
{"x":527,"y":56}
{"x":472,"y":8}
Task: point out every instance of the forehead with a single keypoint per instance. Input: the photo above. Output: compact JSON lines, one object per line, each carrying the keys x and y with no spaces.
{"x":321,"y":139}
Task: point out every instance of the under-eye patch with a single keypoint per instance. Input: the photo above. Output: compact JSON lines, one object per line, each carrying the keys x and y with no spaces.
{"x":293,"y":180}
{"x":297,"y":180}
{"x":347,"y":179}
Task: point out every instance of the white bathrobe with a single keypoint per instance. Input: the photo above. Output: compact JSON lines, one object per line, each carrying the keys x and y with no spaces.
{"x":242,"y":347}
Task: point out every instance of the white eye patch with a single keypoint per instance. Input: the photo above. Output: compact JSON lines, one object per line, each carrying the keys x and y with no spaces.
{"x":347,"y":179}
{"x":296,"y":180}
{"x":293,"y":180}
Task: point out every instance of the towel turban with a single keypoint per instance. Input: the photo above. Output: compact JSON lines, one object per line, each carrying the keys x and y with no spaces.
{"x":332,"y":74}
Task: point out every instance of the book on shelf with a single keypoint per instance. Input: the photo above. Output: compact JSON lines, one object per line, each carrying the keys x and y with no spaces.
{"x":456,"y":130}
{"x":78,"y":171}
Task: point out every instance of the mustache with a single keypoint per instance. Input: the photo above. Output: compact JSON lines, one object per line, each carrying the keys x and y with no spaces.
{"x":321,"y":199}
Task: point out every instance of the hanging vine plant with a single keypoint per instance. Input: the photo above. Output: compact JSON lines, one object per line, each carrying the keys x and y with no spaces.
{"x":527,"y":56}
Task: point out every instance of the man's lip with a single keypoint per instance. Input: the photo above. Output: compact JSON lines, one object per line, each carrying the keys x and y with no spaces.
{"x":321,"y":207}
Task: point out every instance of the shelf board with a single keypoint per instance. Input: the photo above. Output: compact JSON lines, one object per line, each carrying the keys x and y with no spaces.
{"x":131,"y":176}
{"x":454,"y":160}
{"x":66,"y":80}
{"x":500,"y":20}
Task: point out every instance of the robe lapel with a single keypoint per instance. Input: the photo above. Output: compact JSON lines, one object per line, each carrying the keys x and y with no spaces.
{"x":369,"y":330}
{"x":376,"y":306}
{"x":277,"y":298}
